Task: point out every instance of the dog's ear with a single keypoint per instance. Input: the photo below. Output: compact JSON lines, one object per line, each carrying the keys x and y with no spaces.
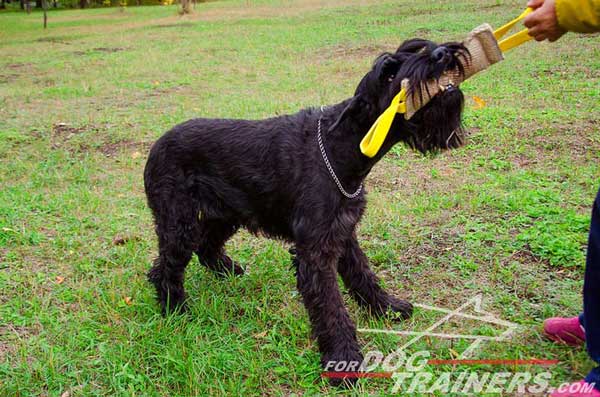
{"x":415,"y":46}
{"x":349,"y":109}
{"x":386,"y":66}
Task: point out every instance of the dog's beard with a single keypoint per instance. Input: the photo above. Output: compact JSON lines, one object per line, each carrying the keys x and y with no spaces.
{"x":437,"y":126}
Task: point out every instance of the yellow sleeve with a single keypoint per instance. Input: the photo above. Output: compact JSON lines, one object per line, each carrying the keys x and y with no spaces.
{"x":579,"y":15}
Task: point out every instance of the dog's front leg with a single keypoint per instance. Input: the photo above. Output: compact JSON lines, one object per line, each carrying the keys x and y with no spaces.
{"x":335,"y":332}
{"x":363,"y":284}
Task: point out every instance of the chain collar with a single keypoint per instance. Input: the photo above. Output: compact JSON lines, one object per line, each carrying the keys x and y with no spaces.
{"x":328,"y":164}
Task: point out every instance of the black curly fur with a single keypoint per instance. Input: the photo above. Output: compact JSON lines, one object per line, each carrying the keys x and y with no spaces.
{"x":206,"y":178}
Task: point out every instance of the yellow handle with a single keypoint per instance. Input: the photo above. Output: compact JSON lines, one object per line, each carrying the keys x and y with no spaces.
{"x":371,"y":143}
{"x":517,"y":38}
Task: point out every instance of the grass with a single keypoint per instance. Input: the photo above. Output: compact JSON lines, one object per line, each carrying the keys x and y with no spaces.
{"x":506,"y":216}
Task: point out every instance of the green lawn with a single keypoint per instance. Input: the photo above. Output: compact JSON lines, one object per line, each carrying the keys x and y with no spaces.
{"x":80,"y":104}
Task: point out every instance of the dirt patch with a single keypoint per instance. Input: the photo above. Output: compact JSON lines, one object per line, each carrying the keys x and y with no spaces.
{"x":3,"y":253}
{"x":439,"y":173}
{"x":574,"y":138}
{"x":346,"y":51}
{"x":438,"y":245}
{"x":422,"y":32}
{"x":122,"y":240}
{"x":63,"y":133}
{"x":522,"y":161}
{"x":109,"y":49}
{"x":54,"y":39}
{"x":9,"y":334}
{"x":489,"y":6}
{"x":524,"y":257}
{"x":18,"y":66}
{"x":65,"y":130}
{"x":44,"y":82}
{"x":64,"y":136}
{"x":137,"y":149}
{"x":426,"y":32}
{"x":588,"y":35}
{"x":7,"y":78}
{"x":13,"y":71}
{"x":36,"y":134}
{"x":567,"y":72}
{"x":160,"y":91}
{"x":175,"y":25}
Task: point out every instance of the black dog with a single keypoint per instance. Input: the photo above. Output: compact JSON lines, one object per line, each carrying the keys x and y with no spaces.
{"x":299,"y":178}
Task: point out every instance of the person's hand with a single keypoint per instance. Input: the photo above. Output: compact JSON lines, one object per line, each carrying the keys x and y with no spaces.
{"x":542,"y":23}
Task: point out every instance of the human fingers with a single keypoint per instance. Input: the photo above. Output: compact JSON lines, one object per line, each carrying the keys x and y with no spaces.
{"x":535,"y":3}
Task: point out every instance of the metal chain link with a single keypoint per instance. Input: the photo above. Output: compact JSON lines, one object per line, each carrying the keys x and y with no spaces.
{"x":328,"y":164}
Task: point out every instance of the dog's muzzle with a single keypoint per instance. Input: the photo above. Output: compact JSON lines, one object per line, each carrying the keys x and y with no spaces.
{"x":441,"y":55}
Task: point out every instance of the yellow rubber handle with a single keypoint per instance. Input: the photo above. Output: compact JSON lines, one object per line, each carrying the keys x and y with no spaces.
{"x":372,"y":141}
{"x":514,"y":40}
{"x":517,"y":38}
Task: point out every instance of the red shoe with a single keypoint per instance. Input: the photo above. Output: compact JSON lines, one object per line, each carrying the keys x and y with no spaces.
{"x":578,"y":389}
{"x":565,"y":330}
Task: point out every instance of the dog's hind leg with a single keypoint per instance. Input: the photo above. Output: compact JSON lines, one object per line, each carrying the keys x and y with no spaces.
{"x":212,"y":235}
{"x":176,"y":227}
{"x":363,"y":284}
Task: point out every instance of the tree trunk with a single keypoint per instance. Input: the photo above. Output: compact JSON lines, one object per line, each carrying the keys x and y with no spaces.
{"x":22,"y":4}
{"x":2,"y":4}
{"x":82,"y":3}
{"x":45,"y":6}
{"x":186,"y":7}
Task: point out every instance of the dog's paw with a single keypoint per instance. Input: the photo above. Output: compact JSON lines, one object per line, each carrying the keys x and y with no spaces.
{"x":341,"y":368}
{"x":399,"y":309}
{"x":176,"y":306}
{"x":179,"y":309}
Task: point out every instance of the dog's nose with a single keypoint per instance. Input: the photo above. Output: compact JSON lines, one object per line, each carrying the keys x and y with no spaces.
{"x":440,"y":54}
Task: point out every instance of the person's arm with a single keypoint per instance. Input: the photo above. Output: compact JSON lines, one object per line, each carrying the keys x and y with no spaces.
{"x":579,"y":15}
{"x":552,"y":18}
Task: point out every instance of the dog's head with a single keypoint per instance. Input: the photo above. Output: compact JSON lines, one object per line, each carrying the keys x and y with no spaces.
{"x":437,"y":125}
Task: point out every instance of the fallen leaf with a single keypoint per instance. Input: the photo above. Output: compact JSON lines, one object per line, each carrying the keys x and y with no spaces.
{"x":479,"y":102}
{"x":128,"y":300}
{"x":260,"y":335}
{"x":59,"y":279}
{"x":66,"y":394}
{"x":135,"y":155}
{"x":120,"y":240}
{"x":454,"y":353}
